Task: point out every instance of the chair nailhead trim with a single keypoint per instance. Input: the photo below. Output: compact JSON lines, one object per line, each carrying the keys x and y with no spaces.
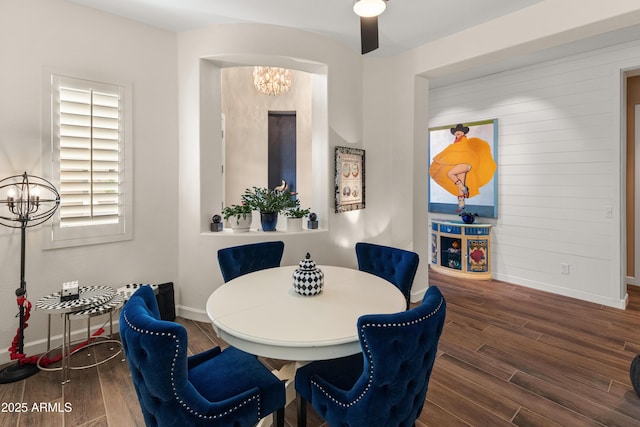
{"x":368,"y":353}
{"x":173,"y":385}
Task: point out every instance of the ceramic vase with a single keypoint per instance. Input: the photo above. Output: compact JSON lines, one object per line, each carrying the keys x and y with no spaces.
{"x":468,"y":218}
{"x":240,"y":224}
{"x":269,"y":221}
{"x":308,"y":280}
{"x":294,"y":224}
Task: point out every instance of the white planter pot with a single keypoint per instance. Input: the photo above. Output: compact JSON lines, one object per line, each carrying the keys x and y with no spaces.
{"x":240,"y":224}
{"x":294,"y":224}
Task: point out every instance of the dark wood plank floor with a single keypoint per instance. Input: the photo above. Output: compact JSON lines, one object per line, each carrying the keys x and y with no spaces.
{"x":509,"y":356}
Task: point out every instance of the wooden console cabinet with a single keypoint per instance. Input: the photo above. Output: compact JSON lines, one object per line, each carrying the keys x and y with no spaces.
{"x":462,"y":250}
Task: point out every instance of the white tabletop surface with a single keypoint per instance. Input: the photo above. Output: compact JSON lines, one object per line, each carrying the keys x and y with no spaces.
{"x":261,"y":314}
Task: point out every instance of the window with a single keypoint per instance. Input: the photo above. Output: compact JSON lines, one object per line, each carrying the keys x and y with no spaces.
{"x":90,"y":161}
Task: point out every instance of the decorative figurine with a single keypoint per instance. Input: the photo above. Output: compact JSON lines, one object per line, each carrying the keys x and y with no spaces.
{"x":282,"y":187}
{"x":216,"y":223}
{"x":312,"y":223}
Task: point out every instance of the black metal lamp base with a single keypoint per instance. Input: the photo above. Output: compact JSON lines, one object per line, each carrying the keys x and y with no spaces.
{"x":17,"y":372}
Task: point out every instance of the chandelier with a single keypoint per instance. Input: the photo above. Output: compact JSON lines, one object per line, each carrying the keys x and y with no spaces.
{"x":272,"y":80}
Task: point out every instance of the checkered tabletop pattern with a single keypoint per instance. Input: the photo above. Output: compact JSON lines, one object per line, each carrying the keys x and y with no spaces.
{"x":89,"y":297}
{"x":113,"y":304}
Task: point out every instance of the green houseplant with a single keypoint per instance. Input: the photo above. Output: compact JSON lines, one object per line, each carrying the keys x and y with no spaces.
{"x":297,"y":212}
{"x":239,"y":216}
{"x":269,"y":203}
{"x":295,"y":215}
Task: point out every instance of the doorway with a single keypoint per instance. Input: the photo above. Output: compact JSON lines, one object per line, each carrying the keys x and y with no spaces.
{"x":633,"y":177}
{"x":282,"y":149}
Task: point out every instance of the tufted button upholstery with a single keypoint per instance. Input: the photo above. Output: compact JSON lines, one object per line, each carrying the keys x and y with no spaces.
{"x":392,"y":264}
{"x":385,"y":385}
{"x":238,"y":260}
{"x":214,"y":388}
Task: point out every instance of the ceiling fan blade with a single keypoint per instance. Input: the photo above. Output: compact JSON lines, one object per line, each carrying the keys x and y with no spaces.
{"x":369,"y":34}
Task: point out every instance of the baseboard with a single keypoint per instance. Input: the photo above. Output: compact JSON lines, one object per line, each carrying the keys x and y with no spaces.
{"x":417,"y":295}
{"x":79,"y":334}
{"x":193,"y":314}
{"x":571,"y":293}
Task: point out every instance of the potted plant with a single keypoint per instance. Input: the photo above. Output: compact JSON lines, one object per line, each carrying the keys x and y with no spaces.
{"x":239,"y":216}
{"x":295,"y":215}
{"x":269,"y":203}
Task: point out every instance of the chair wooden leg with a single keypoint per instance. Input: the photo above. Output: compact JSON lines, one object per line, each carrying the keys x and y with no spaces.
{"x":278,"y":418}
{"x":301,"y":407}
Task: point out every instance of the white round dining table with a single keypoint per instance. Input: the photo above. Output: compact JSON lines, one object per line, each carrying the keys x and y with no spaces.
{"x":261,"y":314}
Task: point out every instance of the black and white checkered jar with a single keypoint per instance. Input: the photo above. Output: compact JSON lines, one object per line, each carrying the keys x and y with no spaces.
{"x":308,"y":279}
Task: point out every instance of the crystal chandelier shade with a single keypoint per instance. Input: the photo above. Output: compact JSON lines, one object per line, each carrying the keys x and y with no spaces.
{"x":272,"y":80}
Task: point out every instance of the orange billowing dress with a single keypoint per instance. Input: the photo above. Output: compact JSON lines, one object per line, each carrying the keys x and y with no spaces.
{"x":471,"y":151}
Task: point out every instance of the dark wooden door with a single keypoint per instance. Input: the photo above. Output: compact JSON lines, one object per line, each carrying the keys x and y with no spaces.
{"x":282,"y":149}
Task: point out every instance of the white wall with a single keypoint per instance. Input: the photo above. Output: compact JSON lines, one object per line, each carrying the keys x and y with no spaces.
{"x":52,"y":34}
{"x":395,"y":113}
{"x":337,"y":121}
{"x":547,"y":24}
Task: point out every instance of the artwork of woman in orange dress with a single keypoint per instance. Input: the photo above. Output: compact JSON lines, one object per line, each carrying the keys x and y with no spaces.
{"x":463,"y":166}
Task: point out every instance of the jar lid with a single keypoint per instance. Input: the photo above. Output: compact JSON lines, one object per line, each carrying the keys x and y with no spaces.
{"x":307,"y":263}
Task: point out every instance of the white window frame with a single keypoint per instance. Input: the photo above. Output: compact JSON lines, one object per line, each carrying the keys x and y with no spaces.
{"x":55,"y":235}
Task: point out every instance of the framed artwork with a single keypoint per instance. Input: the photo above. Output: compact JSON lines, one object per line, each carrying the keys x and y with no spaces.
{"x":349,"y":179}
{"x":462,"y":168}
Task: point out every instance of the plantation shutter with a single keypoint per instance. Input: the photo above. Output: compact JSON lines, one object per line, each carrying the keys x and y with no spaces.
{"x":90,"y":139}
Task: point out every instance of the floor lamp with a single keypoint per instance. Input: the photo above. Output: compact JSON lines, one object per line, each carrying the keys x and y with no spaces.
{"x":25,"y":201}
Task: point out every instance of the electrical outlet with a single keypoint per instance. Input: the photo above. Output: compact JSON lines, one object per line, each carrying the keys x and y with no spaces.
{"x":564,"y":268}
{"x":608,"y":211}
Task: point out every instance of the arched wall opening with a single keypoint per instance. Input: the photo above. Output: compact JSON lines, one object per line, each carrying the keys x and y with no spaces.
{"x":212,"y":195}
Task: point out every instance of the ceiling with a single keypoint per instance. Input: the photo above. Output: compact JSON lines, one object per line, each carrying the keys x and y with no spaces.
{"x":405,"y":24}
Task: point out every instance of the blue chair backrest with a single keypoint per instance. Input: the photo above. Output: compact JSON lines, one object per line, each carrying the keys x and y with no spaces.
{"x":392,"y":264}
{"x":399,"y":353}
{"x":239,"y":260}
{"x":156,"y":352}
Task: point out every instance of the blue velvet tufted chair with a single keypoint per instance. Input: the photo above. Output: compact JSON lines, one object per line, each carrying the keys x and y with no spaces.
{"x":238,"y":260}
{"x":395,"y":265}
{"x":386,"y":384}
{"x":214,"y":388}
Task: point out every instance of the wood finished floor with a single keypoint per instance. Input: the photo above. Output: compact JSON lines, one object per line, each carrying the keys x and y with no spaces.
{"x":508,"y":356}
